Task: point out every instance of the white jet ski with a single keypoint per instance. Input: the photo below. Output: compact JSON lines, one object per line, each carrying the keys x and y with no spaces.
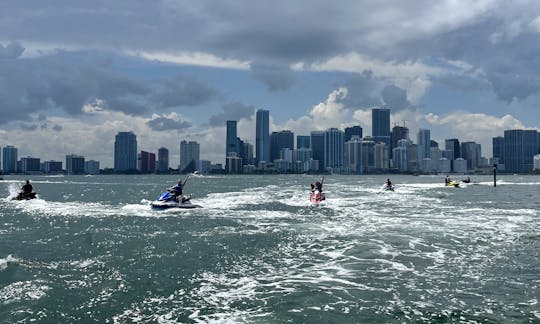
{"x":168,"y":200}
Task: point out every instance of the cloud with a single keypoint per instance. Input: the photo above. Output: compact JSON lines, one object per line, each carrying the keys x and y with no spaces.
{"x":395,"y":97}
{"x":183,"y":90}
{"x":12,"y":50}
{"x":232,"y":111}
{"x":276,"y":78}
{"x":166,"y":123}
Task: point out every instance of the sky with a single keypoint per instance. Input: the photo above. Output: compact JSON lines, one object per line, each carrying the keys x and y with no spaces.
{"x":75,"y":73}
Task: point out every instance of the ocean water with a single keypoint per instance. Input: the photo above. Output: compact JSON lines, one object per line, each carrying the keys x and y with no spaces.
{"x":90,"y":249}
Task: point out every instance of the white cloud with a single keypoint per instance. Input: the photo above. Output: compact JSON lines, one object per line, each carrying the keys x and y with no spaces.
{"x":191,"y":58}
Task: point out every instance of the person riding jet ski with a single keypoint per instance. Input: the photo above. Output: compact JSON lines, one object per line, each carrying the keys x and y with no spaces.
{"x":177,"y":190}
{"x":26,"y":192}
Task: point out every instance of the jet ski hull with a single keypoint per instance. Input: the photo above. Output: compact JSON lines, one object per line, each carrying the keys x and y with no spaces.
{"x":453,"y":184}
{"x":316,"y":197}
{"x":22,"y":196}
{"x":172,"y":204}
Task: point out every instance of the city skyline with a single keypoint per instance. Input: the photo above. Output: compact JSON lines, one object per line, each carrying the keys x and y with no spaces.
{"x":169,"y":71}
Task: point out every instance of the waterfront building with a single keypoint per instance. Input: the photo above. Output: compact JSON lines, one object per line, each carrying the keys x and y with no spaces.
{"x":536,"y":162}
{"x":247,"y":153}
{"x":303,"y":141}
{"x":317,"y":147}
{"x":204,"y":166}
{"x":74,"y":164}
{"x":460,"y":165}
{"x":280,"y":140}
{"x":52,"y":167}
{"x":163,"y":160}
{"x":368,"y":155}
{"x":91,"y":167}
{"x":148,"y":162}
{"x":380,"y":123}
{"x":400,"y":155}
{"x":381,"y":156}
{"x":520,"y":147}
{"x":302,"y":154}
{"x":233,"y":164}
{"x":444,"y":165}
{"x":333,"y":149}
{"x":262,"y":136}
{"x":30,"y":165}
{"x":231,"y":145}
{"x":9,"y":159}
{"x":398,"y":133}
{"x":471,"y":152}
{"x":353,"y":154}
{"x":352,"y":131}
{"x":424,"y":146}
{"x":498,"y":148}
{"x":189,"y":155}
{"x":125,"y":152}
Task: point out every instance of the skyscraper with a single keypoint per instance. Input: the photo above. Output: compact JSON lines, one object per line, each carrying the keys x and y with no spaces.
{"x":231,"y":139}
{"x":352,"y":131}
{"x":498,"y":149}
{"x":471,"y":152}
{"x":520,"y":146}
{"x":423,"y":142}
{"x":317,"y":147}
{"x":399,"y":133}
{"x":74,"y":164}
{"x":303,"y":141}
{"x":163,"y":160}
{"x":454,"y":146}
{"x":189,"y":155}
{"x":148,"y":162}
{"x":280,"y":140}
{"x":9,"y":159}
{"x":353,"y":154}
{"x":333,"y":148}
{"x":262,"y":136}
{"x":125,"y":152}
{"x":380,"y":122}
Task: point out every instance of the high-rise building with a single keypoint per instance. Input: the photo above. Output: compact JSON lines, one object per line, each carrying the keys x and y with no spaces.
{"x":352,"y":131}
{"x":74,"y":164}
{"x":399,"y":133}
{"x":247,"y":154}
{"x":91,"y":167}
{"x":231,"y":139}
{"x":125,"y":152}
{"x":148,"y":162}
{"x":303,"y":141}
{"x":280,"y":140}
{"x":189,"y":155}
{"x":471,"y":152}
{"x":454,"y":146}
{"x":520,"y":147}
{"x":163,"y":160}
{"x":262,"y":136}
{"x":423,"y":142}
{"x":52,"y":166}
{"x":353,"y":154}
{"x":498,"y":149}
{"x":317,"y":147}
{"x":333,"y":148}
{"x":401,"y":155}
{"x":380,"y":123}
{"x":368,"y":155}
{"x":9,"y":159}
{"x":381,"y":155}
{"x":30,"y":165}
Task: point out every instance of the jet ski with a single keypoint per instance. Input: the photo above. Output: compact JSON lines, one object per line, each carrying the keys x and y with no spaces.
{"x":452,"y":184}
{"x":386,"y":187}
{"x":168,"y":200}
{"x":316,"y":197}
{"x":25,"y":196}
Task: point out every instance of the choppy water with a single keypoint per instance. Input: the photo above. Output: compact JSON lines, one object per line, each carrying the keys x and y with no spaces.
{"x":91,"y":250}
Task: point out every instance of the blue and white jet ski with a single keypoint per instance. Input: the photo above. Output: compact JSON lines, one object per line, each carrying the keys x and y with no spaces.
{"x":168,"y":200}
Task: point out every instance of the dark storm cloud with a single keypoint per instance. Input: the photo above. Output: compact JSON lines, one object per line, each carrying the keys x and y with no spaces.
{"x":68,"y":81}
{"x":166,"y":124}
{"x":232,"y":111}
{"x":183,"y":90}
{"x":286,"y":32}
{"x":394,"y":97}
{"x":57,"y":128}
{"x":277,"y":78}
{"x":362,"y":91}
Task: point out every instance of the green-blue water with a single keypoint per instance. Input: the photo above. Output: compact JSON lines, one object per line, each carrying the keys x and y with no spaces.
{"x":90,"y":249}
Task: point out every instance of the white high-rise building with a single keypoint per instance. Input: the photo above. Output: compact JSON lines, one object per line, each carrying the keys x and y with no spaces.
{"x":353,"y":154}
{"x":189,"y":155}
{"x":424,"y":147}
